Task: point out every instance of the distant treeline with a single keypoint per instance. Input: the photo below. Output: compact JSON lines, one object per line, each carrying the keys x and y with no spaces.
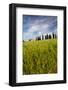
{"x":47,"y":36}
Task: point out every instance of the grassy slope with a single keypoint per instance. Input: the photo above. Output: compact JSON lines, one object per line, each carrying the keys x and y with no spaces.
{"x":40,"y":57}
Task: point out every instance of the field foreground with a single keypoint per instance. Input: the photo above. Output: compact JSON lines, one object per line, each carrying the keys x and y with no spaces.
{"x":40,"y":57}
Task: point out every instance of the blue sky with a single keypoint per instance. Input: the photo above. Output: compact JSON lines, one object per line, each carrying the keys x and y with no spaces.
{"x":34,"y":26}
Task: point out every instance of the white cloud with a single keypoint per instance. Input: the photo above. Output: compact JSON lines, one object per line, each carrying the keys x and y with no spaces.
{"x":28,"y":35}
{"x":38,"y":28}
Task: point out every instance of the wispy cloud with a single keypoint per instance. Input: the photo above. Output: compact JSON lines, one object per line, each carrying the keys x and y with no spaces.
{"x":37,"y":25}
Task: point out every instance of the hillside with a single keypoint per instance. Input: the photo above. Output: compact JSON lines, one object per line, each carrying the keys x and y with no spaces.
{"x":40,"y":57}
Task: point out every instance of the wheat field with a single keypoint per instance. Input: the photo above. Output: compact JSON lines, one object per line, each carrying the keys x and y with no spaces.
{"x":39,"y":57}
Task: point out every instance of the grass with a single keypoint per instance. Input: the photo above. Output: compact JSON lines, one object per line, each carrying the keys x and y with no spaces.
{"x":40,"y":57}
